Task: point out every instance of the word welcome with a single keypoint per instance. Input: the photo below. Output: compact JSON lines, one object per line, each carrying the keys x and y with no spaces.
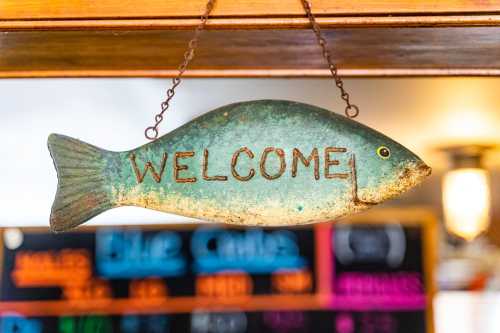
{"x":244,"y":152}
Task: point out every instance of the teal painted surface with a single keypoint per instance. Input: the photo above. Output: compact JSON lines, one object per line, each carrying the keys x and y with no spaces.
{"x":92,"y":180}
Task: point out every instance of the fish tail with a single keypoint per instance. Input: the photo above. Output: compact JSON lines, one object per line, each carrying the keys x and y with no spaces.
{"x":81,"y":190}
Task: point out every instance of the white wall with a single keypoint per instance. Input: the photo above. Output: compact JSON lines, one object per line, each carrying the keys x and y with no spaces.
{"x":467,"y":312}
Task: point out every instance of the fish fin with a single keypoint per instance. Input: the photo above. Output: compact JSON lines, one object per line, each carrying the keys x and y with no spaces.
{"x":81,"y":192}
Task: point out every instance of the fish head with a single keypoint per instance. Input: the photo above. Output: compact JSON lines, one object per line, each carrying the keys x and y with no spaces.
{"x":385,"y":168}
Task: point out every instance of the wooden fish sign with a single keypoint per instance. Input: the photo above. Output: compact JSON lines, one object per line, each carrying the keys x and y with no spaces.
{"x":271,"y":163}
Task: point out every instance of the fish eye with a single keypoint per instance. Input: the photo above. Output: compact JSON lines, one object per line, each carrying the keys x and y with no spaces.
{"x":383,"y":152}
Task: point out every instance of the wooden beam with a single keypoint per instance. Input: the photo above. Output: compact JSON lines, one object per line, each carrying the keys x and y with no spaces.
{"x":245,"y":53}
{"x":248,"y":38}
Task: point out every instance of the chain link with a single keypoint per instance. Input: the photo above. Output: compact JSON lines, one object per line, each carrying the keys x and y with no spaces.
{"x":151,"y":132}
{"x":351,"y":110}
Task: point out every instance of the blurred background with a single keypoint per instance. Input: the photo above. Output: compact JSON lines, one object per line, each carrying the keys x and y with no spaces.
{"x":453,"y":124}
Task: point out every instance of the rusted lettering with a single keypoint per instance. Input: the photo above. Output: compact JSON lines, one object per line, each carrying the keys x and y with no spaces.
{"x":281,"y":156}
{"x":205,"y":169}
{"x":149,"y":165}
{"x":234,"y":162}
{"x":179,"y":167}
{"x":297,"y":154}
{"x":329,"y":162}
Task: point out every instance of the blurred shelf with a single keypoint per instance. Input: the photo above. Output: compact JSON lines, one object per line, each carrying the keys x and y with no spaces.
{"x":248,"y":38}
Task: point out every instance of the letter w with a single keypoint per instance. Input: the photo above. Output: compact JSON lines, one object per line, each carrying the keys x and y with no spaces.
{"x":156,"y":176}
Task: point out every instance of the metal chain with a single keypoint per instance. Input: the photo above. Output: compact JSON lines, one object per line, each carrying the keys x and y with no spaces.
{"x":151,"y":132}
{"x":351,"y":110}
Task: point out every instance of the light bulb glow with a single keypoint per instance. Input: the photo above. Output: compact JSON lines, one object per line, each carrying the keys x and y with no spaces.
{"x":466,"y":202}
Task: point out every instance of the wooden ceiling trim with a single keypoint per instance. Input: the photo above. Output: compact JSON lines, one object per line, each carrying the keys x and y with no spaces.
{"x":252,"y":53}
{"x":113,"y":9}
{"x":252,"y":73}
{"x":254,"y":23}
{"x":248,"y":38}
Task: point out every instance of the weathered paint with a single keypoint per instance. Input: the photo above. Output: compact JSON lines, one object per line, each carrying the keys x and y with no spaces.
{"x":267,"y":162}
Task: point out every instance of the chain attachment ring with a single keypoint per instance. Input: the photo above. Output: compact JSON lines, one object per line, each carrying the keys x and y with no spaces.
{"x":149,"y":129}
{"x":351,"y":111}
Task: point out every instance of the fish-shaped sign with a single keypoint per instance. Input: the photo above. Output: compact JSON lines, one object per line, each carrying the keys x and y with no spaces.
{"x":268,"y":163}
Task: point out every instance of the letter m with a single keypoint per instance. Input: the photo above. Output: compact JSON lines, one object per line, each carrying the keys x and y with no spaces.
{"x":297,"y":155}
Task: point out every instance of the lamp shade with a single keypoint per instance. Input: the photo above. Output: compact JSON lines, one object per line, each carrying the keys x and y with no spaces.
{"x":466,"y":202}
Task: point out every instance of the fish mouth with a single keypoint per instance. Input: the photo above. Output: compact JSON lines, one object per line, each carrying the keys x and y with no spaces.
{"x":411,"y":175}
{"x":416,"y":173}
{"x":424,"y":169}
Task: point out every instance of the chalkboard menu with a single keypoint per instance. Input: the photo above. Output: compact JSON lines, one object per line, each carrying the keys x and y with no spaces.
{"x":369,"y":274}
